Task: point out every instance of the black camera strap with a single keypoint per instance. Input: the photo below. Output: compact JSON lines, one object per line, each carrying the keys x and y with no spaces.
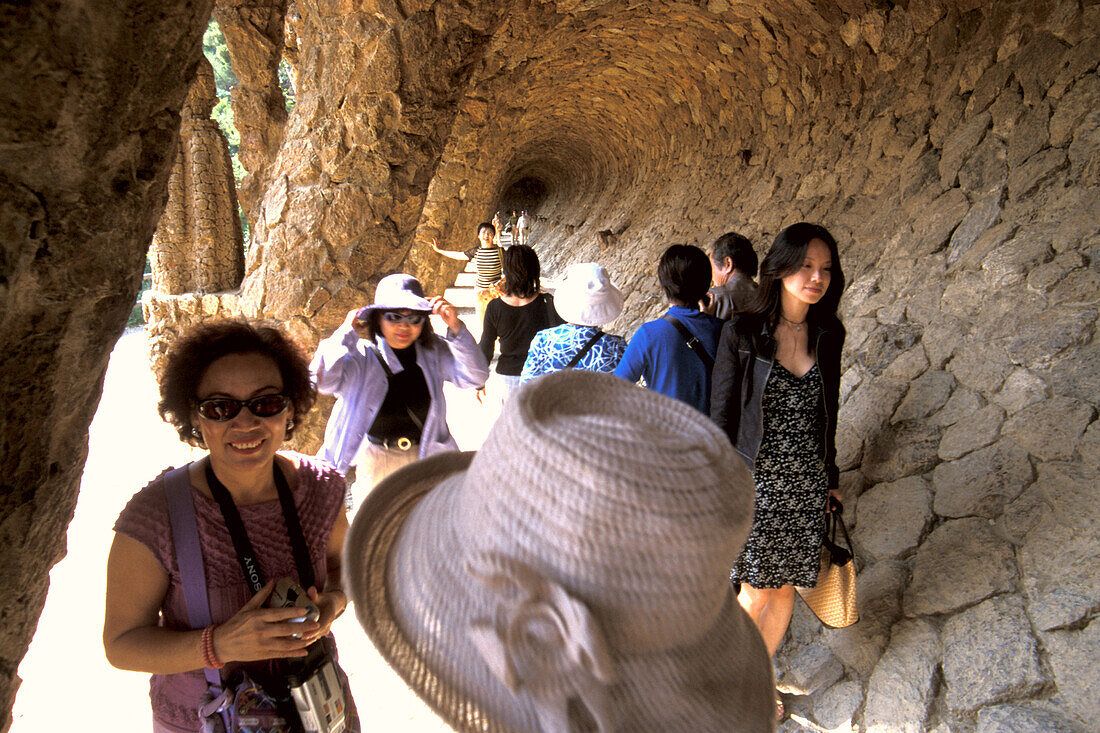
{"x":246,"y":556}
{"x":690,"y":340}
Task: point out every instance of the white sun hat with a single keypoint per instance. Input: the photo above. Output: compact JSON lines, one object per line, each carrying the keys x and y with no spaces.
{"x":586,"y":296}
{"x":573,"y":574}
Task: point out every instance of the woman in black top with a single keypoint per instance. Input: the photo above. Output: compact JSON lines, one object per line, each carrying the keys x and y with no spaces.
{"x":775,"y":392}
{"x":516,"y":316}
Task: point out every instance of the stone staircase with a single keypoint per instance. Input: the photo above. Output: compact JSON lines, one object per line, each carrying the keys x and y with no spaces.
{"x":463,"y":297}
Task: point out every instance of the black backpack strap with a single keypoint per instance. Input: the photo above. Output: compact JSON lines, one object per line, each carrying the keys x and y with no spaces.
{"x":690,"y":340}
{"x":584,"y":349}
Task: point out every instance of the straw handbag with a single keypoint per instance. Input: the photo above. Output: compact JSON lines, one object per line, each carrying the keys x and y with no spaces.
{"x":833,"y":599}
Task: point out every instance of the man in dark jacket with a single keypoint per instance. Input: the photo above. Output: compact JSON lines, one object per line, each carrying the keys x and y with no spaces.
{"x":733,"y":266}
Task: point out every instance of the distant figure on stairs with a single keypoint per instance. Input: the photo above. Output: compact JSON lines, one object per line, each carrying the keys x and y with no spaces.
{"x":487,"y":258}
{"x":523,"y":226}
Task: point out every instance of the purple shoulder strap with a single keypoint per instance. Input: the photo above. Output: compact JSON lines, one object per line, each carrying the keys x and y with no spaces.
{"x":185,"y":538}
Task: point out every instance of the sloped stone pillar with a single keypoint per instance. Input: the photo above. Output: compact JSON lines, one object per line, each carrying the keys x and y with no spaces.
{"x":197,"y":255}
{"x":198,"y":246}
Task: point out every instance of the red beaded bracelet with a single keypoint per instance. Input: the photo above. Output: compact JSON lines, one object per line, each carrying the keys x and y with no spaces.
{"x":209,"y":658}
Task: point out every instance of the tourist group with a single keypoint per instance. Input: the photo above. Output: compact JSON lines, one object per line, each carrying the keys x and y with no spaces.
{"x":621,"y":554}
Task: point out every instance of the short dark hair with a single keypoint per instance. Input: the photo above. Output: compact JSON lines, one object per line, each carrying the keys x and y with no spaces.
{"x":521,"y":269}
{"x":486,"y":225}
{"x":374,"y":326}
{"x":738,"y":249}
{"x":192,"y":353}
{"x":684,"y":273}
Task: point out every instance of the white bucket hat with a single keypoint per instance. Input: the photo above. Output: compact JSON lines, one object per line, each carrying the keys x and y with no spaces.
{"x":587,"y":297}
{"x":397,"y":292}
{"x":573,"y":574}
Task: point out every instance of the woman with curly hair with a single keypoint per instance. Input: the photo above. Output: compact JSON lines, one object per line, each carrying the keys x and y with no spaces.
{"x":237,"y":389}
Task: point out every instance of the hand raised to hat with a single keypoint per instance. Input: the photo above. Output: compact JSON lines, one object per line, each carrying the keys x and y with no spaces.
{"x":447,"y":312}
{"x":357,"y":325}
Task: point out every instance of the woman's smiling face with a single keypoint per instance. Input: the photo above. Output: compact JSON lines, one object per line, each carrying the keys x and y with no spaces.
{"x":245,"y":442}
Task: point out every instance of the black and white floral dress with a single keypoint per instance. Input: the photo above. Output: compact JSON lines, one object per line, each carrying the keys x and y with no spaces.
{"x":784,"y":545}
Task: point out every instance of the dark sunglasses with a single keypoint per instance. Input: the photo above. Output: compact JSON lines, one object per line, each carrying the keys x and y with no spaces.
{"x":413,"y":319}
{"x":220,"y":409}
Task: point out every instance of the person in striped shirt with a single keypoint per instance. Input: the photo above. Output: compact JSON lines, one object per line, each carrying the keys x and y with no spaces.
{"x":487,"y":258}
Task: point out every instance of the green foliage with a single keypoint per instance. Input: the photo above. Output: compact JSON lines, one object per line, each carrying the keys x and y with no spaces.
{"x":287,"y":85}
{"x":213,"y":45}
{"x":137,"y":318}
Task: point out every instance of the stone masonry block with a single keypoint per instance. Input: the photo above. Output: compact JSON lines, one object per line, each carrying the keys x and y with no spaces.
{"x":1054,"y":523}
{"x":960,"y":563}
{"x":1020,"y":719}
{"x":982,"y":482}
{"x":892,"y":517}
{"x":1073,"y":658}
{"x":998,"y":633}
{"x":900,"y":690}
{"x":1050,"y":430}
{"x":972,"y":432}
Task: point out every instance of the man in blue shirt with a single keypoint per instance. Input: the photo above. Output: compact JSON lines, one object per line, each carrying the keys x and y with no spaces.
{"x":658,"y":352}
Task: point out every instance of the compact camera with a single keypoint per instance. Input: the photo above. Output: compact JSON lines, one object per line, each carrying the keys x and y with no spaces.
{"x":288,"y":593}
{"x":312,"y":682}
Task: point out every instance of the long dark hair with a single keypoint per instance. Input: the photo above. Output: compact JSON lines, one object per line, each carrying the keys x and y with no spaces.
{"x":521,"y":270}
{"x":785,"y":256}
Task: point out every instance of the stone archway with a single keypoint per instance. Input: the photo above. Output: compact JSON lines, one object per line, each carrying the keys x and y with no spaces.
{"x":950,"y":146}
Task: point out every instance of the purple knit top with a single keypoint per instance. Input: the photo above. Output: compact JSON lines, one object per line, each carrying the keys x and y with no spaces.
{"x":318,"y":496}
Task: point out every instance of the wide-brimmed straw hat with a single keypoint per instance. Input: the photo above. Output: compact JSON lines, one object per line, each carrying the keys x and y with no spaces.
{"x":587,"y":297}
{"x":397,"y":292}
{"x":571,"y":575}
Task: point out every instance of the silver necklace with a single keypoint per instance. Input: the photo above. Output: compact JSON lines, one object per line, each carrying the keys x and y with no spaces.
{"x":797,"y":325}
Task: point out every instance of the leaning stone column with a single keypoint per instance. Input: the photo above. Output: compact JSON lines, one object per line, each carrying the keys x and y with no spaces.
{"x":197,"y":254}
{"x":198,"y":245}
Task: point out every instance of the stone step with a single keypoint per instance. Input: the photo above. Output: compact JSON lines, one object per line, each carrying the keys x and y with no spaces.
{"x":461,"y":298}
{"x":466,"y":279}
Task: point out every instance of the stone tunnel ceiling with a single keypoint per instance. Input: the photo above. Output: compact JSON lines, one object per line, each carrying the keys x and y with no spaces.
{"x":951,"y":147}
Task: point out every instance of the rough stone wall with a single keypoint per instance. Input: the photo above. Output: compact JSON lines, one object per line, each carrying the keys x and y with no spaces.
{"x":90,"y":101}
{"x":198,"y":246}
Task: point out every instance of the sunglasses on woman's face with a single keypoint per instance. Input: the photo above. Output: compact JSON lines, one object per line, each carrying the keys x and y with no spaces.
{"x":220,"y":409}
{"x":413,"y":319}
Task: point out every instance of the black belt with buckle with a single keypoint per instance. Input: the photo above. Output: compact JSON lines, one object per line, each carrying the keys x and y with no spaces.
{"x":401,"y":443}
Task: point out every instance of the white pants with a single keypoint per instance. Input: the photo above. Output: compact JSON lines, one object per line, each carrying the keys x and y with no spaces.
{"x":374,"y":463}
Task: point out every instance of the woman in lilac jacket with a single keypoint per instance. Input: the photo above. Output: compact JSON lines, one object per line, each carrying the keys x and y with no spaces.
{"x":386,"y":366}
